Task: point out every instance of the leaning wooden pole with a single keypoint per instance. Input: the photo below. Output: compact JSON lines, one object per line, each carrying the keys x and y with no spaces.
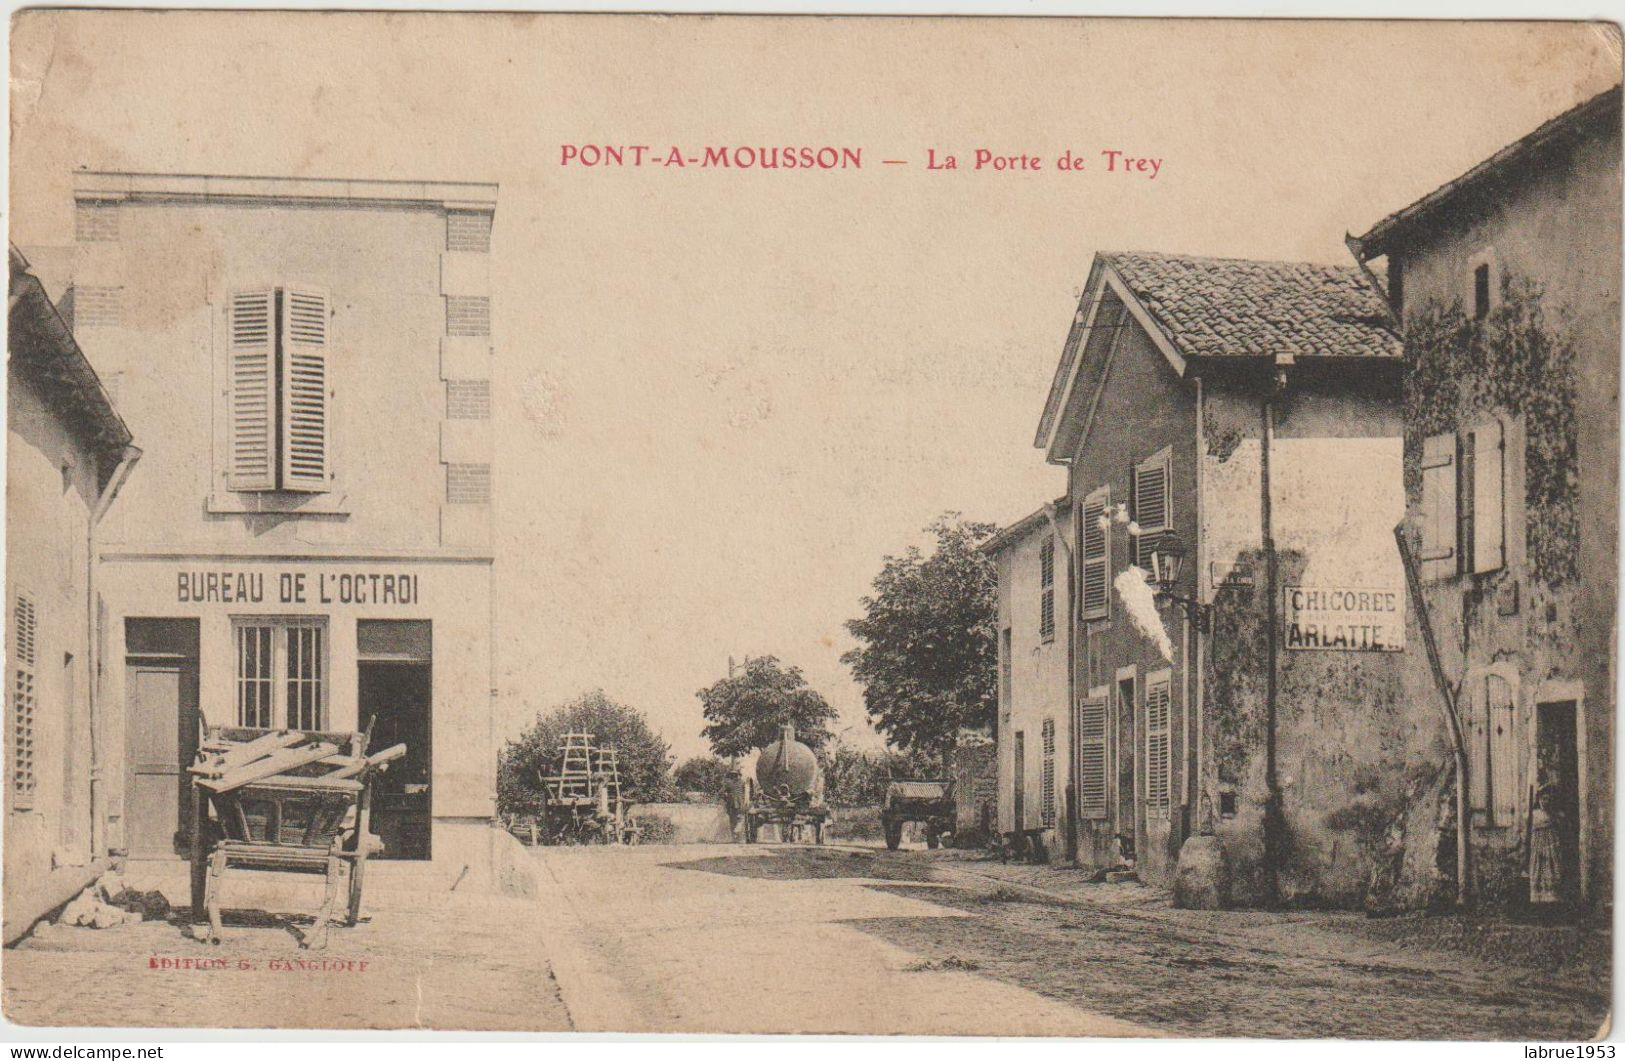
{"x":1458,"y":743}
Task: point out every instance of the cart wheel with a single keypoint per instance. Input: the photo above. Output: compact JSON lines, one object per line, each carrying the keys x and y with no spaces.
{"x":894,"y":835}
{"x":931,"y":839}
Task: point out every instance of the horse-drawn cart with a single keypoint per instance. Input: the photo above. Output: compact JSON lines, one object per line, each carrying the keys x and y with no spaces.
{"x":288,"y":802}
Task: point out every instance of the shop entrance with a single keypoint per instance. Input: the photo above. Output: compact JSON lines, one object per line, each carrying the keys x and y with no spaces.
{"x":395,"y":698}
{"x":160,"y":734}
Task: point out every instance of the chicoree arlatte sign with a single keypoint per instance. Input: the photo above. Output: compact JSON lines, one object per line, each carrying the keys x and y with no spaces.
{"x":1341,"y":619}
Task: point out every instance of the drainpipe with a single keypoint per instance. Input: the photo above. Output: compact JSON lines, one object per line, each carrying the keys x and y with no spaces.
{"x":1452,"y":719}
{"x":104,"y":501}
{"x":1273,"y":814}
{"x":1071,"y":682}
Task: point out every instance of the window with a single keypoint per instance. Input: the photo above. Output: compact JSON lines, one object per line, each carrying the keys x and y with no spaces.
{"x":1396,"y":287}
{"x":24,"y":700}
{"x":1482,"y":294}
{"x":1463,"y":511}
{"x":1046,"y":589}
{"x":1157,"y":755}
{"x":1092,"y":757}
{"x":1095,"y":535}
{"x":1151,"y":507}
{"x":282,"y":673}
{"x":281,"y":391}
{"x":1492,"y":754}
{"x":1004,"y":670}
{"x":1046,"y":797}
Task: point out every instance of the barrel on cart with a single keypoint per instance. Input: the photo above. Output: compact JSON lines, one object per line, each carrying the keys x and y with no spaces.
{"x":789,"y":792}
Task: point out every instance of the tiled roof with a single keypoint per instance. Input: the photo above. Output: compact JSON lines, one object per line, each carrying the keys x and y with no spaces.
{"x":1232,"y":307}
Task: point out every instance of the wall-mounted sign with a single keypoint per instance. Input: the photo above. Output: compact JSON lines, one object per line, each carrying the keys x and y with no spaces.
{"x":1340,"y":619}
{"x":295,"y":587}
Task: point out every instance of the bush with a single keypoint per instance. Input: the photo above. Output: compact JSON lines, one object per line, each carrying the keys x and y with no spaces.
{"x":705,"y":774}
{"x":655,"y":828}
{"x":854,"y":823}
{"x":645,"y":761}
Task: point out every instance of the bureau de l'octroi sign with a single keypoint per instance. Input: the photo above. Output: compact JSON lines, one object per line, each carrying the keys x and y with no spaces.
{"x":1341,"y":619}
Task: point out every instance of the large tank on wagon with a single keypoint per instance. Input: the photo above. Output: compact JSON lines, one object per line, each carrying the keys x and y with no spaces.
{"x":789,"y":791}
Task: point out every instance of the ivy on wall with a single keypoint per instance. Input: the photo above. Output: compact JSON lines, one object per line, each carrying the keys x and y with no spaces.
{"x":1516,"y":360}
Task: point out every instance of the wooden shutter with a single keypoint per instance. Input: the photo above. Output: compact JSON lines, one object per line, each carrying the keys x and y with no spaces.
{"x":1095,"y":535}
{"x":1046,"y":589}
{"x":1091,"y":786}
{"x":1439,"y":506}
{"x":1476,"y":708}
{"x":1046,"y":805}
{"x":1503,"y":751}
{"x":1151,"y":505}
{"x":251,"y":462}
{"x":24,"y":700}
{"x":1157,"y":764}
{"x":1489,"y":507}
{"x":306,"y":391}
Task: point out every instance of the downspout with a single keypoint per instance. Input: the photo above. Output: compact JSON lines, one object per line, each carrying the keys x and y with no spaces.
{"x":1071,"y":683}
{"x":1274,"y":824}
{"x":1452,"y":719}
{"x":93,"y":677}
{"x":1196,"y":690}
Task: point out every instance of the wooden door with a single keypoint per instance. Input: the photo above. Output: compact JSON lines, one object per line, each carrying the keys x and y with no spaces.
{"x":1018,"y":773}
{"x":160,"y":740}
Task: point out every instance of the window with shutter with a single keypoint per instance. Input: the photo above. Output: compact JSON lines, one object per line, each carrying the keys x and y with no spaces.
{"x":1503,"y":752}
{"x":1157,"y":753}
{"x":1046,"y":589}
{"x":1046,"y":799}
{"x":1488,"y":496}
{"x":1151,"y":504}
{"x":305,"y":387}
{"x":1438,"y":506}
{"x":1091,"y":786}
{"x":251,"y":338}
{"x":24,"y":700}
{"x":1095,"y":536}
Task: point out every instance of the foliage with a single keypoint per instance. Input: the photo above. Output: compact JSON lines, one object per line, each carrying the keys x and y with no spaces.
{"x":857,"y":778}
{"x":654,"y":828}
{"x":703,"y":773}
{"x":645,"y":759}
{"x":929,"y":656}
{"x":1517,"y":360}
{"x":744,"y":711}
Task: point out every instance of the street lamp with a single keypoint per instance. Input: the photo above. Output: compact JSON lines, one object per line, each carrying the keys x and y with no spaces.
{"x":1167,"y":564}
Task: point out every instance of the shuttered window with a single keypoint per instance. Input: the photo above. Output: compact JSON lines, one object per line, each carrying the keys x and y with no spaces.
{"x":1492,"y":754}
{"x":1487,"y":485}
{"x":468,"y":315}
{"x":1157,"y":752}
{"x":1151,"y":504}
{"x":1046,"y":589}
{"x":1091,"y":785}
{"x":281,"y":391}
{"x":1004,"y":671}
{"x":1046,"y":798}
{"x":1439,"y":506}
{"x":24,"y":700}
{"x":468,"y":230}
{"x":1095,"y":536}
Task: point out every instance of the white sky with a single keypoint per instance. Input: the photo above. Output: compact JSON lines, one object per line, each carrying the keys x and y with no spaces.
{"x":723,"y":397}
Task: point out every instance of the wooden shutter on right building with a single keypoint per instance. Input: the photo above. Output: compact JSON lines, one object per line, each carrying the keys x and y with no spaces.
{"x":251,"y":460}
{"x":1151,"y":505}
{"x":1095,"y":535}
{"x":306,"y":386}
{"x":1438,"y":506}
{"x":1489,"y":503}
{"x":1091,"y":787}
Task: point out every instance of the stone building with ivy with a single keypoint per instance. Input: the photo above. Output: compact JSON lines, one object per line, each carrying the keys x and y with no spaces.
{"x":1506,"y":281}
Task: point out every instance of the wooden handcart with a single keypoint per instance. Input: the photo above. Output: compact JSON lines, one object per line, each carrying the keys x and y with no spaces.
{"x":288,"y":802}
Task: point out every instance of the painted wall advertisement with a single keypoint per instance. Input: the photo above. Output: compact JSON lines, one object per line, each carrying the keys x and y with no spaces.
{"x":1344,"y":619}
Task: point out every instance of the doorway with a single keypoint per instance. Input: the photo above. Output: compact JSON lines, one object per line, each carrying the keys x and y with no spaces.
{"x":395,"y":699}
{"x":160,"y":734}
{"x":1557,"y":772}
{"x":1123,"y":750}
{"x":1018,"y":783}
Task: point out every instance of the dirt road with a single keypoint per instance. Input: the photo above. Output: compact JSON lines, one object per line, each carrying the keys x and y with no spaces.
{"x":781,"y":939}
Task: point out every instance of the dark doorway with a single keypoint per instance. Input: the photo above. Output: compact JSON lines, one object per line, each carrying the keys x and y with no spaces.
{"x":160,"y":734}
{"x":1557,"y":772}
{"x":1018,"y":783}
{"x":1123,"y":749}
{"x":395,"y":698}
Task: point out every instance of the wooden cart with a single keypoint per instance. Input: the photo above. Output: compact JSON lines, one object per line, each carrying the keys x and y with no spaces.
{"x":288,"y":802}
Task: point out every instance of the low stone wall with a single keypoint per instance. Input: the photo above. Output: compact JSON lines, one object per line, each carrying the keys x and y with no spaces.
{"x":696,"y":823}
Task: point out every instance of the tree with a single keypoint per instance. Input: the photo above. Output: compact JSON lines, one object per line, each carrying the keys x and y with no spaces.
{"x":745,"y":711}
{"x":928,"y":658}
{"x":703,"y":773}
{"x":644,"y":758}
{"x":856,"y":777}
